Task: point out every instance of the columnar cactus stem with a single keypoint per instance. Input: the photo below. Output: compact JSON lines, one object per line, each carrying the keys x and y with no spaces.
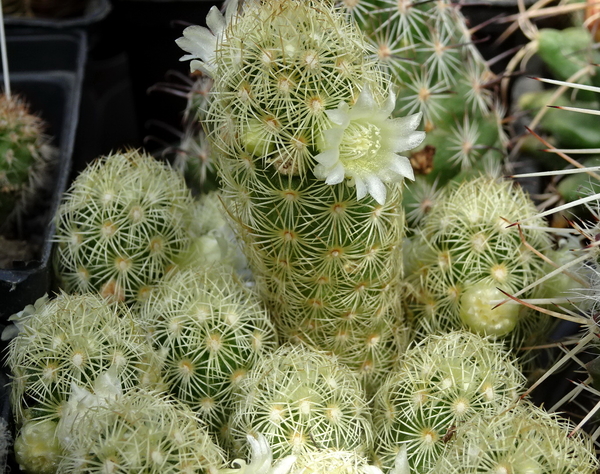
{"x":308,"y":159}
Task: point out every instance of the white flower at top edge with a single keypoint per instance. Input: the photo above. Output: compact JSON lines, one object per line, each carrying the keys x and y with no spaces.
{"x":363,"y":145}
{"x":201,"y":42}
{"x":262,"y":460}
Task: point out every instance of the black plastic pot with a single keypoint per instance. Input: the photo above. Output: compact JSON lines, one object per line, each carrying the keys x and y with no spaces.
{"x":47,"y":69}
{"x":94,"y":11}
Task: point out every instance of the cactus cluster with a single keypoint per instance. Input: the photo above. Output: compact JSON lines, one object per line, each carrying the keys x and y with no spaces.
{"x":121,"y":226}
{"x":25,"y":152}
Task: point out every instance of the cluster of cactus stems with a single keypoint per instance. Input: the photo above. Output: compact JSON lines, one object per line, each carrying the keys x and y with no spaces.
{"x":168,"y":351}
{"x":25,"y":152}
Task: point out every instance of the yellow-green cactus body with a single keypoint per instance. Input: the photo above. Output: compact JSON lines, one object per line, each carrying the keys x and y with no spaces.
{"x":302,"y":400}
{"x":73,"y":339}
{"x":525,"y":439}
{"x":121,"y":226}
{"x":466,"y":252}
{"x":307,"y":157}
{"x":439,"y":385}
{"x":210,"y":330}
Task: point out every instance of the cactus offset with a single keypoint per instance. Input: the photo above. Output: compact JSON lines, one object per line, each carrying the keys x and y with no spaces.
{"x":121,"y":226}
{"x":143,"y":432}
{"x":308,"y":158}
{"x":74,"y":338}
{"x":466,"y":250}
{"x":302,"y":400}
{"x":440,"y":384}
{"x":524,"y":439}
{"x":210,"y":330}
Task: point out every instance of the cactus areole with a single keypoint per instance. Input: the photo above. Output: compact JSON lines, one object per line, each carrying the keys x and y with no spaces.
{"x":309,"y":162}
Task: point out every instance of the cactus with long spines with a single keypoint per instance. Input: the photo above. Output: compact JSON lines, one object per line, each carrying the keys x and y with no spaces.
{"x":25,"y":152}
{"x":309,"y":162}
{"x":210,"y":330}
{"x":466,"y":252}
{"x":121,"y":226}
{"x":439,"y":385}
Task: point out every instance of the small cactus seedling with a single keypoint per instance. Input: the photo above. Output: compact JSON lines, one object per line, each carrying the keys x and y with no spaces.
{"x":24,"y":153}
{"x":143,"y":432}
{"x":439,"y":385}
{"x":302,"y":400}
{"x":466,"y":250}
{"x":210,"y":330}
{"x":74,"y":338}
{"x":525,"y":439}
{"x":121,"y":226}
{"x":310,"y":165}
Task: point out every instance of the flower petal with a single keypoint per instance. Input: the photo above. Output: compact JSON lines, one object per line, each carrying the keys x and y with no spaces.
{"x":376,"y":188}
{"x":340,"y":115}
{"x":336,"y":174}
{"x":401,"y":165}
{"x":361,"y":188}
{"x":365,"y":103}
{"x":328,"y":158}
{"x":215,"y":21}
{"x":389,"y":105}
{"x":199,"y":41}
{"x":284,"y":466}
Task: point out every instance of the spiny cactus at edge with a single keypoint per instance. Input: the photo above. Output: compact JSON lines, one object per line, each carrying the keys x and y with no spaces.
{"x":466,"y":251}
{"x":25,"y":152}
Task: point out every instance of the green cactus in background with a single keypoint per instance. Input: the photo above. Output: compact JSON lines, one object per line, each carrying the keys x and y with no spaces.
{"x":301,"y":400}
{"x":121,"y":226}
{"x":308,"y":160}
{"x":25,"y":152}
{"x":210,"y":330}
{"x":525,"y":439}
{"x":466,"y":251}
{"x":74,"y":338}
{"x":438,"y":386}
{"x":427,"y":48}
{"x":143,"y":432}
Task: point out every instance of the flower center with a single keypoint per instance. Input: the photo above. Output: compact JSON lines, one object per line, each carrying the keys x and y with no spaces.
{"x":360,"y":141}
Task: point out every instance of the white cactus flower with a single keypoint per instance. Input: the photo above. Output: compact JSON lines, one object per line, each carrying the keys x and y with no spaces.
{"x":363,"y":145}
{"x":262,"y":460}
{"x":201,"y":42}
